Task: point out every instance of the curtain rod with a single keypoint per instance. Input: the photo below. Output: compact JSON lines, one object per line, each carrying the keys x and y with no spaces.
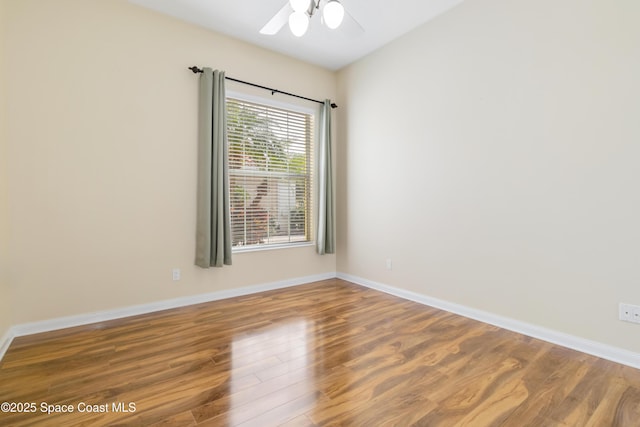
{"x":199,"y":70}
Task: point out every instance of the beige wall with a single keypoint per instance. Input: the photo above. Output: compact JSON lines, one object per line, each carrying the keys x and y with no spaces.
{"x":102,"y":134}
{"x":493,"y":154}
{"x":5,"y":292}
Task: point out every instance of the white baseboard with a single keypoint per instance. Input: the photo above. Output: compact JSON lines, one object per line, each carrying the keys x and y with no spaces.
{"x":593,"y":348}
{"x":5,"y":342}
{"x":101,"y":316}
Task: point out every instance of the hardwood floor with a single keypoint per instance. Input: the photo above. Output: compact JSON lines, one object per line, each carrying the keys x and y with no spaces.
{"x":325,"y":354}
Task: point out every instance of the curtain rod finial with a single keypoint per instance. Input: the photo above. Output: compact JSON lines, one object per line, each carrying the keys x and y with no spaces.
{"x":334,"y":105}
{"x":195,"y":69}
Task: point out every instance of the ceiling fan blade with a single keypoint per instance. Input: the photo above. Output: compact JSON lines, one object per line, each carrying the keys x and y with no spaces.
{"x":276,"y":23}
{"x":350,"y":26}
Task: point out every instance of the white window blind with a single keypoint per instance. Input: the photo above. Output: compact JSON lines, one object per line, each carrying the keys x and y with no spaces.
{"x":270,"y":164}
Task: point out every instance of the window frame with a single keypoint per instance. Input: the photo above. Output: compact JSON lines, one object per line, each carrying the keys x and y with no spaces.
{"x":297,"y":108}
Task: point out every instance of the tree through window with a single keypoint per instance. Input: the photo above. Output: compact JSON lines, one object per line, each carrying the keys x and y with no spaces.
{"x":270,"y":174}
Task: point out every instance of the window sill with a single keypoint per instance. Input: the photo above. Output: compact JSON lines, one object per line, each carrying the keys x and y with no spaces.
{"x":259,"y":248}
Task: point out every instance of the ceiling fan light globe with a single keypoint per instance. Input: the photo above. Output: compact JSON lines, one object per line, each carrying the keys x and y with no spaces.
{"x":298,"y":23}
{"x":333,"y":14}
{"x":300,"y":5}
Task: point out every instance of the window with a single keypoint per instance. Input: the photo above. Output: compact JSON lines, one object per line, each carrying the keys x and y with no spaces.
{"x":270,"y":169}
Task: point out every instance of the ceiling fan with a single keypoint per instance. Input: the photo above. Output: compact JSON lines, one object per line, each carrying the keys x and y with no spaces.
{"x":298,"y":13}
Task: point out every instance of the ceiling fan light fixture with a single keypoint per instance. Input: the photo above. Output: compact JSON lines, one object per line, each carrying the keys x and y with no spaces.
{"x":298,"y":23}
{"x":333,"y":14}
{"x":300,"y":5}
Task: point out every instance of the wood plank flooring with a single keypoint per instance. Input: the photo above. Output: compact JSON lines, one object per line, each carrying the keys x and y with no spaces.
{"x":329,"y":353}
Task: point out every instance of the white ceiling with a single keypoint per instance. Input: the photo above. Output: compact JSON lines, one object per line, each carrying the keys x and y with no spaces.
{"x":382,"y":21}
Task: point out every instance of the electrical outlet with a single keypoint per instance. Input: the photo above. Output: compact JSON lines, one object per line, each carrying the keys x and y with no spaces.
{"x":629,"y":313}
{"x":176,"y":274}
{"x":625,"y":312}
{"x":389,"y":264}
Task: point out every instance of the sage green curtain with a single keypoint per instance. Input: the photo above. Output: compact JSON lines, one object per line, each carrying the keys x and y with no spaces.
{"x":325,"y":239}
{"x":213,"y":224}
